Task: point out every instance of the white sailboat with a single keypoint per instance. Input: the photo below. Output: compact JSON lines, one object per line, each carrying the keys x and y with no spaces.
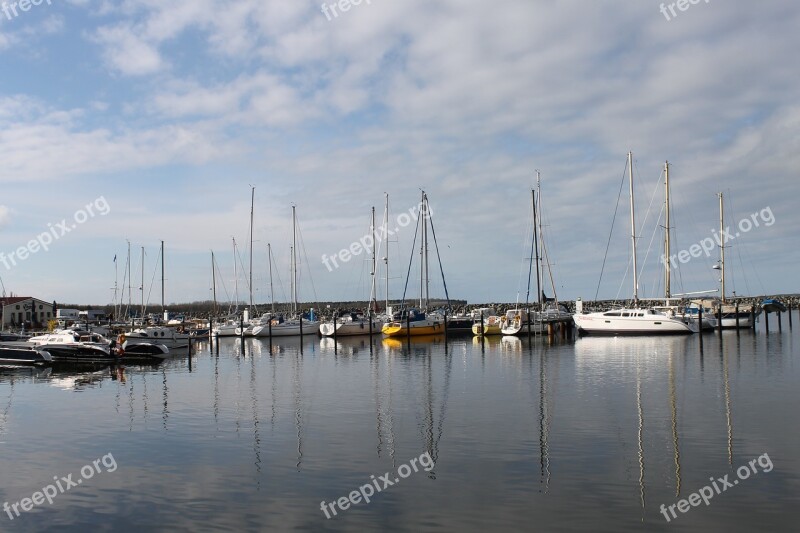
{"x":278,"y":326}
{"x":729,"y":311}
{"x":516,"y":321}
{"x":634,"y":320}
{"x":354,"y":323}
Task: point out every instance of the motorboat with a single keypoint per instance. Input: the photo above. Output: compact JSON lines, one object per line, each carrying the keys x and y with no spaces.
{"x":24,"y":356}
{"x":169,"y":337}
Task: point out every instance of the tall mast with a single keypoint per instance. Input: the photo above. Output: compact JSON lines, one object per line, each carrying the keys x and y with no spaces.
{"x":667,"y":266}
{"x":633,"y":234}
{"x":235,"y":275}
{"x":130,"y":301}
{"x":214,"y":281}
{"x":294,"y":259}
{"x":163,"y":307}
{"x":372,"y":293}
{"x":423,"y":251}
{"x":537,"y":215}
{"x":722,"y":245}
{"x":142,"y":289}
{"x":427,"y":272}
{"x":252,"y":200}
{"x":386,"y":236}
{"x":271,"y":289}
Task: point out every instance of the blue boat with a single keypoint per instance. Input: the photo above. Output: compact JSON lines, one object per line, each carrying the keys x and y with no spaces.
{"x":773,"y":306}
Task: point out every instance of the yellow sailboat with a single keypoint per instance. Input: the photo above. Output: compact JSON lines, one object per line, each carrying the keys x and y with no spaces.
{"x":413,"y":322}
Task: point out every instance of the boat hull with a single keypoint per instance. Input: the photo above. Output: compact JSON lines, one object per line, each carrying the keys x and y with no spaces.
{"x":286,"y":329}
{"x":400,"y":329}
{"x":350,"y":328}
{"x":598,"y":324}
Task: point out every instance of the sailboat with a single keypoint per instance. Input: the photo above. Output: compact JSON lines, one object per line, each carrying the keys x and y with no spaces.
{"x":516,"y":321}
{"x":279,"y":326}
{"x":355,"y":324}
{"x":634,"y":320}
{"x":228,"y":328}
{"x":412,"y":322}
{"x":729,"y":311}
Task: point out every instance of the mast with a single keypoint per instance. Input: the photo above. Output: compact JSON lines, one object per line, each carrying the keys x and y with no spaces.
{"x":214,"y":281}
{"x":163,"y":307}
{"x":294,"y":260}
{"x":142,"y":288}
{"x":425,"y":234}
{"x":235,"y":276}
{"x":536,"y":218}
{"x":372,"y":294}
{"x":386,"y":259}
{"x":633,"y":234}
{"x":422,"y":254}
{"x":252,"y":200}
{"x":667,"y":266}
{"x":722,"y":246}
{"x":271,"y":289}
{"x":130,"y":301}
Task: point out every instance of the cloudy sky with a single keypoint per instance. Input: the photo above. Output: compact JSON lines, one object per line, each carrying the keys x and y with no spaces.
{"x":166,"y":112}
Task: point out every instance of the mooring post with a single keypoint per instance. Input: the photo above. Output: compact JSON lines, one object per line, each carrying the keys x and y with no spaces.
{"x":335,"y":322}
{"x":766,"y":320}
{"x":753,"y":317}
{"x":790,"y":316}
{"x":737,"y":318}
{"x":408,"y":325}
{"x":700,"y":326}
{"x":780,"y":325}
{"x":301,"y":329}
{"x":445,"y":323}
{"x":719,"y":319}
{"x":369,"y":316}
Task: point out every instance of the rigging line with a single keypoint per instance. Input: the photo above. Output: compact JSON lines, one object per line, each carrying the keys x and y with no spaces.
{"x":656,"y":227}
{"x":436,"y":245}
{"x":221,"y":279}
{"x":611,"y":233}
{"x":152,"y":282}
{"x":305,"y":254}
{"x":646,"y":216}
{"x":411,"y":260}
{"x":277,"y":272}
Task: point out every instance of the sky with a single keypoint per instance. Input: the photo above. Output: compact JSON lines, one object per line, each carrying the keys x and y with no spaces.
{"x":163,"y":115}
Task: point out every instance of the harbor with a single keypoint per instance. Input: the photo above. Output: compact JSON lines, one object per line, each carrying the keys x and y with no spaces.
{"x":413,"y":266}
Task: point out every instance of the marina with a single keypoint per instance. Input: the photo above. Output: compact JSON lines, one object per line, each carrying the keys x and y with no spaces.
{"x":253,"y":434}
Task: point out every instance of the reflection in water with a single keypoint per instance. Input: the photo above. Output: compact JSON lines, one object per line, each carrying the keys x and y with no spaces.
{"x":674,"y":410}
{"x":394,"y":400}
{"x":641,"y":430}
{"x":727,"y":387}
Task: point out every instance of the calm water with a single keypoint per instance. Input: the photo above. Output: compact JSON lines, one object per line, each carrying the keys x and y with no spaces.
{"x":591,"y":435}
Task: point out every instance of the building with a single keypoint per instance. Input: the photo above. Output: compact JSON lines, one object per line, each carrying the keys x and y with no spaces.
{"x":25,"y":310}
